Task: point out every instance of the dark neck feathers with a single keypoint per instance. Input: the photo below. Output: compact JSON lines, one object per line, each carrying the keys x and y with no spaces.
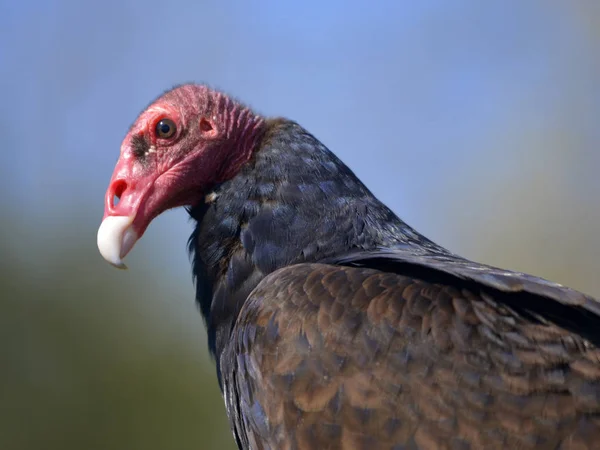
{"x":293,"y":201}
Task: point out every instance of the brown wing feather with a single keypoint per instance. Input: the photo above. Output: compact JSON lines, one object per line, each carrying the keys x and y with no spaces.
{"x":330,"y":357}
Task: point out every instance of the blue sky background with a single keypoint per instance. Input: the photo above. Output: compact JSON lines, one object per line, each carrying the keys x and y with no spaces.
{"x":477,"y":122}
{"x":402,"y":91}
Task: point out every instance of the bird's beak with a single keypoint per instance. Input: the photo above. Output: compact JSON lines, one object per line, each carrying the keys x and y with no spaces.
{"x":126,"y":219}
{"x":116,"y":237}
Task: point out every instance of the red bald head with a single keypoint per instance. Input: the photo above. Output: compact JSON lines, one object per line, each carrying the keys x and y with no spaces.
{"x":187,"y":140}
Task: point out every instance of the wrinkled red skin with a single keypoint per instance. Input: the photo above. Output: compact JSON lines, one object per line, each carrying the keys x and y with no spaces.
{"x":210,"y":130}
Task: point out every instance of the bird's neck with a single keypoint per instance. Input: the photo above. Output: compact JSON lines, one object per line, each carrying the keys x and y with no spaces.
{"x":293,"y":202}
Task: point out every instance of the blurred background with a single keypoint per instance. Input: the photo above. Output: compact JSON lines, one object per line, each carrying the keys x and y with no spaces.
{"x":477,"y":122}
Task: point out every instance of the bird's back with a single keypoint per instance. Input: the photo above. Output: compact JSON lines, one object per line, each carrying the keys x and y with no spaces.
{"x":338,"y":357}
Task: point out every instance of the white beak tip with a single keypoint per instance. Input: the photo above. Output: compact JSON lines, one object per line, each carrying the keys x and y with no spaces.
{"x":115,"y":239}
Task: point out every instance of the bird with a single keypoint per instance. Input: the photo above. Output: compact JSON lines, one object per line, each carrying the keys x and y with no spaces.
{"x":333,"y":324}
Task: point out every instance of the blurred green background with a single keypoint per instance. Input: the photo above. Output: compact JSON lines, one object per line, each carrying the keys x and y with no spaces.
{"x":477,"y":122}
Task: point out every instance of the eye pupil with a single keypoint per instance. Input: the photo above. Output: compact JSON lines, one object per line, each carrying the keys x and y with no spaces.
{"x":165,"y":128}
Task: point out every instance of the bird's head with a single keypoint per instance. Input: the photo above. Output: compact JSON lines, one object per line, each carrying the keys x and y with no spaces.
{"x":187,"y":140}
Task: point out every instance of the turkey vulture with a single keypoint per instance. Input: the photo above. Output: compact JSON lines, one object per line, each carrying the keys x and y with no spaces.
{"x":335,"y":325}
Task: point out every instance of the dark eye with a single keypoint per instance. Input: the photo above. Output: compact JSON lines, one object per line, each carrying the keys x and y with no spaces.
{"x":165,"y":128}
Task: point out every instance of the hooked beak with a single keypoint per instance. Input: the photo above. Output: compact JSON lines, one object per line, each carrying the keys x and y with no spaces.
{"x":116,"y":237}
{"x":139,"y":198}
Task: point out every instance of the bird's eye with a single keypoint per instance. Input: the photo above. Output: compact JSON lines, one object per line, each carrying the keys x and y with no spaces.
{"x":165,"y":128}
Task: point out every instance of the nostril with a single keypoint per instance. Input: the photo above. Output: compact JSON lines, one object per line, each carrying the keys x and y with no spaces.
{"x":119,"y":187}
